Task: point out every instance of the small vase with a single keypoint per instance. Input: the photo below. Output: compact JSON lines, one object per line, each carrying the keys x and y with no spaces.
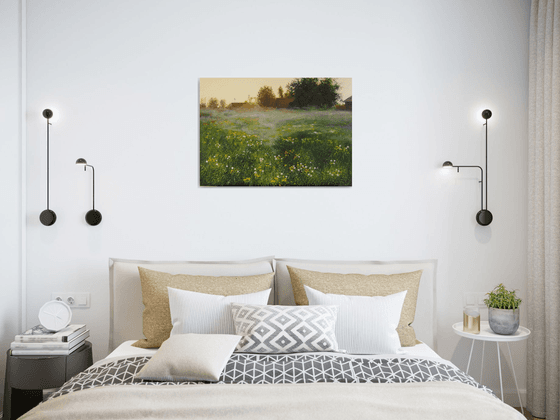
{"x":503,"y":321}
{"x":471,"y":319}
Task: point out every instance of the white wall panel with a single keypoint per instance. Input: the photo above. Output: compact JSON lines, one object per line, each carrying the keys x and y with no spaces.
{"x":10,"y":179}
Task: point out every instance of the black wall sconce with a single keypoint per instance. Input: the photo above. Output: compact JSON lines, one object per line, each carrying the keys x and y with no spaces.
{"x":93,"y":217}
{"x":48,"y":217}
{"x":483,"y":217}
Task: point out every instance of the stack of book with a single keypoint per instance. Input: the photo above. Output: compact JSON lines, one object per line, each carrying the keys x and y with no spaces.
{"x":40,"y":341}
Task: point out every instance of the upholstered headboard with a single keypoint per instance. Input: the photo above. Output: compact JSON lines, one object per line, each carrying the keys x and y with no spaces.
{"x":126,"y":294}
{"x":425,"y":322}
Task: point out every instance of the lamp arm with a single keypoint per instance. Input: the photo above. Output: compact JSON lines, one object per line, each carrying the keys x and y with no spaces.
{"x":481,"y":179}
{"x":93,"y":170}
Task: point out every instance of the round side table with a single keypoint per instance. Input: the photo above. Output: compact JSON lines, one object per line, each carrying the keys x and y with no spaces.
{"x":486,"y":334}
{"x":27,"y":376}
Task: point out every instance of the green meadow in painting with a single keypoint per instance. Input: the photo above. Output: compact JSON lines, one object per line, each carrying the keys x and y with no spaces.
{"x":276,"y":132}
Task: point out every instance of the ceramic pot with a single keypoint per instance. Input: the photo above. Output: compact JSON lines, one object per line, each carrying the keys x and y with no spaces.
{"x":503,"y":321}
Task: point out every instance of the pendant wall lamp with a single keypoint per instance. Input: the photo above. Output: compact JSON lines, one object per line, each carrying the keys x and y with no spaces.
{"x":93,"y":217}
{"x":483,"y":217}
{"x":48,"y":217}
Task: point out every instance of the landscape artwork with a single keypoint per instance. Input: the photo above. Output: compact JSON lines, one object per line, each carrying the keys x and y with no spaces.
{"x":273,"y":132}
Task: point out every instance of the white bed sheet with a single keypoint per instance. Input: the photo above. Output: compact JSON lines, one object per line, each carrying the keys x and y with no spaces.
{"x":420,"y":350}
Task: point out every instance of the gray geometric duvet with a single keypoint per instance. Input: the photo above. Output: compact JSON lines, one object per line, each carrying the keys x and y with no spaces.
{"x":245,"y":368}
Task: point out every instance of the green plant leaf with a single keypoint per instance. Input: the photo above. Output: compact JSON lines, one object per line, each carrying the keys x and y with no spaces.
{"x":501,"y":298}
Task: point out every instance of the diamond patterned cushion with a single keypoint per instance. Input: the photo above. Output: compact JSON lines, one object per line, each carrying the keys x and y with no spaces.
{"x":285,"y":329}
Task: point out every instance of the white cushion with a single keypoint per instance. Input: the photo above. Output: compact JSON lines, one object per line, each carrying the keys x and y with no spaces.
{"x":190,"y":357}
{"x":365,"y":324}
{"x":201,"y":313}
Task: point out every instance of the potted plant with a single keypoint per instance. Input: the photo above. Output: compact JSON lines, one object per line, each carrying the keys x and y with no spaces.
{"x":503,"y":310}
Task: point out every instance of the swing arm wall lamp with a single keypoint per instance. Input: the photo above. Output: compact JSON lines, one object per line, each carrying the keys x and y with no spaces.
{"x":93,"y":217}
{"x":483,"y":217}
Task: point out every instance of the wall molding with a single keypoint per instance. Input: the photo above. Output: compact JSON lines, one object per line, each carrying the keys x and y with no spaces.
{"x":23,"y":174}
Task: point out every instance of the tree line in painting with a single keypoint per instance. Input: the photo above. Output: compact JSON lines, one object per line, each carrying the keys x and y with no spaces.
{"x":306,"y":92}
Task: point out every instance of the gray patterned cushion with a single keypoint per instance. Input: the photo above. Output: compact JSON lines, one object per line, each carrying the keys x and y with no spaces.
{"x":285,"y":329}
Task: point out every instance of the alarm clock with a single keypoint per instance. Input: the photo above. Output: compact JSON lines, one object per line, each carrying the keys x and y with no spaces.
{"x":55,"y":315}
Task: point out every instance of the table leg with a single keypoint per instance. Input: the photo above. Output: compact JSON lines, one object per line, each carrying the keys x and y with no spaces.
{"x":515,"y":379}
{"x":7,"y":413}
{"x":24,"y":400}
{"x":470,"y":355}
{"x":500,"y":369}
{"x":482,"y":361}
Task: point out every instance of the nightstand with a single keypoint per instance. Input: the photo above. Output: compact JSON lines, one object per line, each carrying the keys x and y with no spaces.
{"x":486,"y":334}
{"x":27,"y":376}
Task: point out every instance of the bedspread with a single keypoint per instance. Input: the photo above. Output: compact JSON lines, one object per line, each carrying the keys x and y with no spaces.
{"x":245,"y":368}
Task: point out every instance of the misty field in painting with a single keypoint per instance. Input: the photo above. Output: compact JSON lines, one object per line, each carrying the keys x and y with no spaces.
{"x":277,"y":137}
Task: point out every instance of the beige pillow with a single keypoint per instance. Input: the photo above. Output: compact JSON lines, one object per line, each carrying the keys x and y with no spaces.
{"x":157,"y":316}
{"x":364,"y":285}
{"x":190,"y":357}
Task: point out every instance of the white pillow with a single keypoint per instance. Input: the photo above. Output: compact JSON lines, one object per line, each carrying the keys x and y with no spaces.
{"x":365,"y":324}
{"x":190,"y":357}
{"x":201,"y":313}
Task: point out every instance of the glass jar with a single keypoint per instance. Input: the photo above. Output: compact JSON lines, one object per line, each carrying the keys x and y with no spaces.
{"x":471,"y":319}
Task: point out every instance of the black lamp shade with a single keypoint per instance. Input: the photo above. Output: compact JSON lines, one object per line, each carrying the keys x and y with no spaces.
{"x":47,"y":217}
{"x":484,"y":217}
{"x":486,"y":114}
{"x":447,"y":164}
{"x":47,"y":113}
{"x":81,"y":161}
{"x":93,"y":217}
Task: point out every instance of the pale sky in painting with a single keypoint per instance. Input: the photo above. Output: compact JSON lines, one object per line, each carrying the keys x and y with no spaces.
{"x":240,"y":89}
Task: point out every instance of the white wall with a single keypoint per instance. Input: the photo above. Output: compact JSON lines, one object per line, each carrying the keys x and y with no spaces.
{"x":10,"y":179}
{"x":124,"y":78}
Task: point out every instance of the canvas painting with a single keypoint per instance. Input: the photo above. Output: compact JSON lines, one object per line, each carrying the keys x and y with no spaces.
{"x":274,"y":132}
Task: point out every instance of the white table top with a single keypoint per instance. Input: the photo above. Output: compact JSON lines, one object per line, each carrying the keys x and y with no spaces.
{"x":486,"y":333}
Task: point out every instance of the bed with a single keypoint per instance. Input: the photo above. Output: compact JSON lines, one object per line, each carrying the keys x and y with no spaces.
{"x":413,"y":382}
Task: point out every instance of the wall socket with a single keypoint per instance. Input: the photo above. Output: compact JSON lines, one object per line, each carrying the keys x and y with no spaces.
{"x":474,"y":298}
{"x":73,"y":299}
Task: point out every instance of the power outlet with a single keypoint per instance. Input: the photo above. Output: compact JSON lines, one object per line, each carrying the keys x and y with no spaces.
{"x":474,"y":298}
{"x":73,"y":299}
